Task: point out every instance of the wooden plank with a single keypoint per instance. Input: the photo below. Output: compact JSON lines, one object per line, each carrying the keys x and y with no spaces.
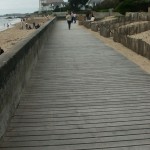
{"x":82,"y":95}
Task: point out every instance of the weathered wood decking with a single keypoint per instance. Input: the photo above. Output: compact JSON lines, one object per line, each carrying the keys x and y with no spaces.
{"x":82,"y":95}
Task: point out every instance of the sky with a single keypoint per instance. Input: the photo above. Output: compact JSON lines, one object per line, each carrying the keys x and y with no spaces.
{"x":18,"y":6}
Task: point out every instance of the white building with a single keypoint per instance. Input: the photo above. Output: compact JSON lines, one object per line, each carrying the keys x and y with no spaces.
{"x":45,"y":5}
{"x":93,"y":3}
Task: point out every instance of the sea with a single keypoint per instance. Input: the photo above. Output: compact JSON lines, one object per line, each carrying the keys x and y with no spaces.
{"x":6,"y":23}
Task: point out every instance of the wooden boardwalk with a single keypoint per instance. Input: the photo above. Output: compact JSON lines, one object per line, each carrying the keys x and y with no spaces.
{"x":82,"y":95}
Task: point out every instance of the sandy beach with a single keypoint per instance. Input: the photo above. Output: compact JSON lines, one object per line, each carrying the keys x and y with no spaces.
{"x":11,"y":36}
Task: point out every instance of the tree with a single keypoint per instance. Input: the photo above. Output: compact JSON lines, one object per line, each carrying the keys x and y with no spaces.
{"x":106,"y":5}
{"x":77,"y":4}
{"x":133,"y":6}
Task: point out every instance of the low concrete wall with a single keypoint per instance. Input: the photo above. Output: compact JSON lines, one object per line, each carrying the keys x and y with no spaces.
{"x":60,"y":15}
{"x":101,"y":15}
{"x":15,"y":70}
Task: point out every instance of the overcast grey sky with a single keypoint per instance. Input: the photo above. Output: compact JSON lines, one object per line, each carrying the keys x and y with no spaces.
{"x":18,"y":6}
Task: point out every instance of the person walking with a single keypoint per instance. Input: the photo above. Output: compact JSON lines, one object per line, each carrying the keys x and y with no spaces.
{"x":74,"y":17}
{"x":69,"y":20}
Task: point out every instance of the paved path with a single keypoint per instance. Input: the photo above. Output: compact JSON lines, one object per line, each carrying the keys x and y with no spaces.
{"x":82,"y":95}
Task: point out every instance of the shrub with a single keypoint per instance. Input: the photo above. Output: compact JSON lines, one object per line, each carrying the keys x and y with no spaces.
{"x":133,"y":6}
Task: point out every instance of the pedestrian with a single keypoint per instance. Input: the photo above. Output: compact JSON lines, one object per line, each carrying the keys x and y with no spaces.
{"x":1,"y":51}
{"x":92,"y":18}
{"x":74,"y":17}
{"x":7,"y":25}
{"x":69,"y":20}
{"x":33,"y":24}
{"x":37,"y":26}
{"x":29,"y":27}
{"x":26,"y":26}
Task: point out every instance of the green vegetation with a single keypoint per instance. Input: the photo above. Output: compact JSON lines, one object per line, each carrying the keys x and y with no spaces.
{"x":124,"y":6}
{"x":106,"y":5}
{"x":133,"y":6}
{"x":76,"y":5}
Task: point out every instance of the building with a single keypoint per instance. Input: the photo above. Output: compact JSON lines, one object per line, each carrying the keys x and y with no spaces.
{"x":50,"y":5}
{"x":93,"y":3}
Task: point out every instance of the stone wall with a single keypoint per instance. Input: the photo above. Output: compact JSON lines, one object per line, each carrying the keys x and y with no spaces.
{"x":107,"y":27}
{"x":121,"y":27}
{"x":130,"y":29}
{"x":94,"y":26}
{"x":87,"y":24}
{"x":138,"y":16}
{"x":137,"y":45}
{"x":15,"y":69}
{"x":81,"y":18}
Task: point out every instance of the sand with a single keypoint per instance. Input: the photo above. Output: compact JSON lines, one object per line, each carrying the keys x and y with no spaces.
{"x":11,"y":36}
{"x":145,"y":36}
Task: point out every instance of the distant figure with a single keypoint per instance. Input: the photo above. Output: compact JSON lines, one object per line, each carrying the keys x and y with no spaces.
{"x":29,"y":27}
{"x":69,"y":20}
{"x":92,"y":18}
{"x":37,"y":26}
{"x":7,"y":25}
{"x":87,"y":16}
{"x":34,"y":25}
{"x":1,"y":51}
{"x":74,"y":17}
{"x":26,"y":26}
{"x":21,"y":24}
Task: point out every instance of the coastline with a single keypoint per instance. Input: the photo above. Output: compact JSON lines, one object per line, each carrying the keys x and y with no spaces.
{"x":12,"y":35}
{"x":5,"y":23}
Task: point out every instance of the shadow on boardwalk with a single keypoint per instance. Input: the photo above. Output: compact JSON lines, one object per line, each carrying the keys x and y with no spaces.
{"x":82,"y":95}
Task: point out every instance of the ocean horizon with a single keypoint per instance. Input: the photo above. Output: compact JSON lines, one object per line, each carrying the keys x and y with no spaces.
{"x":6,"y":23}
